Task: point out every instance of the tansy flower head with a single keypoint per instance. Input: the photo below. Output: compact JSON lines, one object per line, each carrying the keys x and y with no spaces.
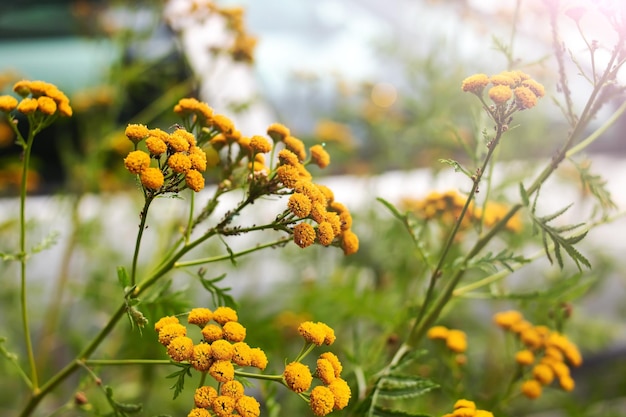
{"x":7,"y":103}
{"x":27,"y":106}
{"x":506,"y":319}
{"x":525,"y":357}
{"x":286,"y":157}
{"x":325,"y":234}
{"x":222,"y":350}
{"x":456,"y":341}
{"x":334,"y":361}
{"x":535,"y":87}
{"x":525,"y":98}
{"x":297,"y":377}
{"x":299,"y":204}
{"x":543,"y":373}
{"x":531,"y":389}
{"x":248,"y":406}
{"x":233,"y":389}
{"x":198,"y":159}
{"x":186,"y":106}
{"x":303,"y":235}
{"x":341,"y":392}
{"x":322,"y":400}
{"x":296,"y":146}
{"x":152,"y":178}
{"x":288,"y":175}
{"x":171,"y":331}
{"x":46,"y":105}
{"x":199,"y":412}
{"x":242,"y":354}
{"x":349,"y":242}
{"x":462,"y":403}
{"x":311,"y":190}
{"x":500,"y":94}
{"x":312,"y":332}
{"x":260,"y":145}
{"x":179,"y":163}
{"x":325,"y":371}
{"x":136,"y":132}
{"x":503,"y":79}
{"x":222,"y":315}
{"x":475,"y":83}
{"x":156,"y":146}
{"x":212,"y":332}
{"x":201,"y":357}
{"x":163,"y":321}
{"x":437,"y":332}
{"x":319,"y":156}
{"x":278,"y":132}
{"x":194,"y":180}
{"x":222,"y":123}
{"x":258,"y":358}
{"x":180,"y":140}
{"x":204,"y":396}
{"x":137,"y":161}
{"x":222,"y":371}
{"x":223,"y":406}
{"x":180,"y":348}
{"x":234,"y":331}
{"x":199,"y":316}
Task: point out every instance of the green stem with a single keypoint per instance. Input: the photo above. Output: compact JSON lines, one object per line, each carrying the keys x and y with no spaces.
{"x":243,"y":374}
{"x":229,"y":256}
{"x":142,"y":226}
{"x":23,"y":291}
{"x":125,"y":362}
{"x":595,"y":135}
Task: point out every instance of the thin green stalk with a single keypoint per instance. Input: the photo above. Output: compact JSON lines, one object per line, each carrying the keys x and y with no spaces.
{"x":278,"y":378}
{"x":125,"y":362}
{"x":23,"y":291}
{"x":142,"y":226}
{"x":229,"y":256}
{"x":595,"y":135}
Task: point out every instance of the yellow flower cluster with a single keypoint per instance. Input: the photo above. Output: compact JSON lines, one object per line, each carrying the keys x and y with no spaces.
{"x":466,"y":408}
{"x":221,"y":349}
{"x":178,"y":158}
{"x":334,"y":392}
{"x":456,"y":340}
{"x":38,"y":97}
{"x":504,"y":86}
{"x":547,"y":353}
{"x":447,"y":206}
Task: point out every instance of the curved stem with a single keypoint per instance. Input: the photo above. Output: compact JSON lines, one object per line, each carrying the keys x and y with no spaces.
{"x":142,"y":226}
{"x":229,"y":256}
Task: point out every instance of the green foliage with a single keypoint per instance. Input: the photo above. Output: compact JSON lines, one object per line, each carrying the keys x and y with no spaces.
{"x":120,"y":409}
{"x":219,"y":295}
{"x":179,"y":385}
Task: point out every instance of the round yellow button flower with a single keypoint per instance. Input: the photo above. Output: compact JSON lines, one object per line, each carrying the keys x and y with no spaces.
{"x":199,"y":316}
{"x":543,"y":373}
{"x":531,"y":389}
{"x":242,"y":354}
{"x":303,"y":235}
{"x":222,"y":123}
{"x":506,"y":319}
{"x":7,"y":103}
{"x":319,"y":156}
{"x":212,"y":332}
{"x":525,"y":98}
{"x":180,"y":348}
{"x":202,"y":357}
{"x":312,"y":332}
{"x":223,"y":315}
{"x":137,"y":161}
{"x":163,"y":321}
{"x":349,"y":242}
{"x":259,"y":144}
{"x":170,"y":332}
{"x":233,"y":389}
{"x":525,"y":357}
{"x":198,"y":159}
{"x":152,"y":178}
{"x":222,"y":371}
{"x":179,"y":162}
{"x":258,"y":358}
{"x":46,"y":105}
{"x":223,"y":406}
{"x":27,"y":105}
{"x":463,"y":403}
{"x":535,"y":87}
{"x":456,"y":341}
{"x":296,"y":146}
{"x":475,"y":83}
{"x":334,"y":361}
{"x":278,"y":131}
{"x":199,"y":412}
{"x":325,"y":234}
{"x":297,"y":377}
{"x":299,"y":204}
{"x":222,"y":350}
{"x":322,"y":400}
{"x":325,"y":371}
{"x":341,"y":392}
{"x":234,"y":331}
{"x":194,"y":180}
{"x":136,"y":132}
{"x":204,"y":396}
{"x":248,"y":406}
{"x":156,"y":146}
{"x":437,"y":332}
{"x":500,"y":94}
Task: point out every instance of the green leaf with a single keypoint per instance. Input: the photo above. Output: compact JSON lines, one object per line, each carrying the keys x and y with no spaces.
{"x":46,"y":243}
{"x":596,"y":185}
{"x":404,"y":386}
{"x":122,"y":277}
{"x":219,"y":295}
{"x":179,"y":385}
{"x":457,"y":167}
{"x":121,"y":409}
{"x":505,"y":258}
{"x":524,"y":194}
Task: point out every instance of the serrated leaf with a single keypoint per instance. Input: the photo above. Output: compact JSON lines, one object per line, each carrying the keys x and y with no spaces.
{"x":219,"y":295}
{"x":550,"y":217}
{"x":596,"y":185}
{"x":553,"y":235}
{"x":400,"y":387}
{"x":180,"y":375}
{"x":47,"y":242}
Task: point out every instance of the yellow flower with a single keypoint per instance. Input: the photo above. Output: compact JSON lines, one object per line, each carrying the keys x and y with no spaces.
{"x":7,"y":103}
{"x":202,"y":357}
{"x":278,"y":132}
{"x":136,"y":132}
{"x":319,"y":156}
{"x":334,"y":361}
{"x":22,"y":87}
{"x":297,"y":377}
{"x":464,"y":412}
{"x":311,"y":190}
{"x":222,"y":123}
{"x":500,"y":94}
{"x":180,"y":348}
{"x":258,"y":359}
{"x":535,"y":87}
{"x":137,"y":161}
{"x":27,"y":105}
{"x":156,"y":145}
{"x":152,"y":178}
{"x":325,"y":371}
{"x":325,"y":233}
{"x":170,"y":332}
{"x":322,"y":400}
{"x":525,"y":98}
{"x":475,"y":83}
{"x":531,"y":389}
{"x":506,"y":319}
{"x":179,"y":140}
{"x":222,"y":371}
{"x":194,"y":180}
{"x":521,"y":326}
{"x":330,"y":197}
{"x":199,"y":316}
{"x":248,"y":406}
{"x":199,"y":412}
{"x":502,"y":79}
{"x":223,"y":315}
{"x":164,"y":321}
{"x":437,"y":332}
{"x":242,"y":354}
{"x":260,"y":145}
{"x":198,"y":159}
{"x":223,"y":406}
{"x":543,"y":373}
{"x":525,"y":357}
{"x":299,"y":204}
{"x":296,"y":146}
{"x":303,"y":235}
{"x":456,"y":341}
{"x":335,"y":221}
{"x":212,"y":332}
{"x":288,"y":175}
{"x":329,"y":333}
{"x":46,"y":105}
{"x":234,"y":331}
{"x":286,"y":157}
{"x":222,"y":350}
{"x":233,"y":389}
{"x":186,"y":106}
{"x":531,"y":338}
{"x":179,"y":162}
{"x":312,"y":332}
{"x":567,"y":383}
{"x":342,"y":393}
{"x":462,"y":403}
{"x":483,"y":413}
{"x":204,"y":396}
{"x":349,"y":242}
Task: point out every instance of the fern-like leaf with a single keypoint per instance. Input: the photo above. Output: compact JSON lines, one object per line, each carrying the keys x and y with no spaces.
{"x":179,"y":385}
{"x":596,"y":185}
